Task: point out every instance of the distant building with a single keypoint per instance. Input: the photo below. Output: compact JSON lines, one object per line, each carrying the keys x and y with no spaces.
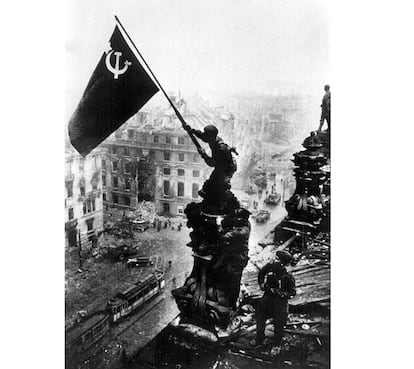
{"x":178,"y":170}
{"x":83,"y":197}
{"x":276,"y":129}
{"x":155,"y":139}
{"x":119,"y":173}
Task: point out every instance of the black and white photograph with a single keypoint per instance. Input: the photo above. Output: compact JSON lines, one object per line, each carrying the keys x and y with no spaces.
{"x":167,"y":173}
{"x":197,"y":185}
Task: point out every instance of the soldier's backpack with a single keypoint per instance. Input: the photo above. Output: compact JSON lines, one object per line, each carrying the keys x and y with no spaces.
{"x":274,"y":281}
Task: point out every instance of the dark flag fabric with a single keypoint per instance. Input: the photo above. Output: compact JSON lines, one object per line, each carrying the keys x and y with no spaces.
{"x":119,"y":88}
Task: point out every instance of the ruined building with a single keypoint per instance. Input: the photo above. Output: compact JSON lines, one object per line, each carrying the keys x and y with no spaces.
{"x":175,"y":176}
{"x":83,"y":197}
{"x":152,"y":158}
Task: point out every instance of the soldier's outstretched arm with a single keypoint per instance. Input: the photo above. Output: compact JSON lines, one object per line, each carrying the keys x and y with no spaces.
{"x":209,"y":160}
{"x":198,"y":134}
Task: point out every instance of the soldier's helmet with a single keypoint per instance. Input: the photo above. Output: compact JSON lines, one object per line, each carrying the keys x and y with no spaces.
{"x":210,"y":131}
{"x":284,"y":256}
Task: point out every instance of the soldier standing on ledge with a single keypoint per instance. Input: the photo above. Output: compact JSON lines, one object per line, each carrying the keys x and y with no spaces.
{"x":326,"y":109}
{"x":221,"y":159}
{"x":278,"y":286}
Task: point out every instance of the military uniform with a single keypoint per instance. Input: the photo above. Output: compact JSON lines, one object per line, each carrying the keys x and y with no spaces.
{"x":326,"y":110}
{"x":279,"y":286}
{"x":223,"y":162}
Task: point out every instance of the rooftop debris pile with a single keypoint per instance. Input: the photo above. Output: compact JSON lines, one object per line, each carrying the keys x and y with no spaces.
{"x":306,"y":342}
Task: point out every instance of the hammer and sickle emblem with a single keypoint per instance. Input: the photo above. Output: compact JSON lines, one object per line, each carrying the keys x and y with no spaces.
{"x":115,"y":70}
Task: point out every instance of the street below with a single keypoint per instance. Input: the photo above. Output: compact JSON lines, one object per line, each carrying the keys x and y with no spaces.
{"x":136,"y":330}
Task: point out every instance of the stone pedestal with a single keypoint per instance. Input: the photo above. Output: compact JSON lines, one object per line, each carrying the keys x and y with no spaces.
{"x":220,"y":249}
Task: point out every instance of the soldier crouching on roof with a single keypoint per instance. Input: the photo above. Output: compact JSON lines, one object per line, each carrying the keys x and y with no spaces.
{"x":233,"y":254}
{"x":222,"y":161}
{"x":278,"y":286}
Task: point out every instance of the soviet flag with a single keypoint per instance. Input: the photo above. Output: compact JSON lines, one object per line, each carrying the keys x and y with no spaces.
{"x":118,"y":88}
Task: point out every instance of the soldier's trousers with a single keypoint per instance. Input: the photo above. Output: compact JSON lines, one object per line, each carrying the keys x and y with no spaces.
{"x":327,"y":117}
{"x":271,"y":307}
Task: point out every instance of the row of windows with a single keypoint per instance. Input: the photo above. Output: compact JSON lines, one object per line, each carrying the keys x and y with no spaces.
{"x":181,"y":156}
{"x":168,"y":140}
{"x":81,"y":165}
{"x":180,"y":172}
{"x":128,"y":167}
{"x":155,"y":139}
{"x":86,"y":206}
{"x":82,"y":192}
{"x":127,"y":151}
{"x":120,"y":150}
{"x":115,"y":183}
{"x":116,"y":199}
{"x":180,"y":189}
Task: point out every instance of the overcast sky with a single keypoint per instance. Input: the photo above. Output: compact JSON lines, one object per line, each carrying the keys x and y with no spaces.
{"x":207,"y":46}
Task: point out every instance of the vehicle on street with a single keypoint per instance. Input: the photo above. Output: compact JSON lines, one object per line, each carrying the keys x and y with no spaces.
{"x":120,"y":253}
{"x":86,"y":332}
{"x":123,"y":303}
{"x":89,"y":329}
{"x":262,"y":216}
{"x":140,"y":225}
{"x":273,"y":199}
{"x":139,"y":261}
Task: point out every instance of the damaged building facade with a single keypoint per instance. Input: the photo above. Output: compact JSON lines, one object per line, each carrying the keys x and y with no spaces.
{"x":176,"y":176}
{"x":174,"y":171}
{"x":83,"y":197}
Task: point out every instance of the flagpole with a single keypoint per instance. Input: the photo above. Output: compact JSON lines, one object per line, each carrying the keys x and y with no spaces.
{"x":159,"y":84}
